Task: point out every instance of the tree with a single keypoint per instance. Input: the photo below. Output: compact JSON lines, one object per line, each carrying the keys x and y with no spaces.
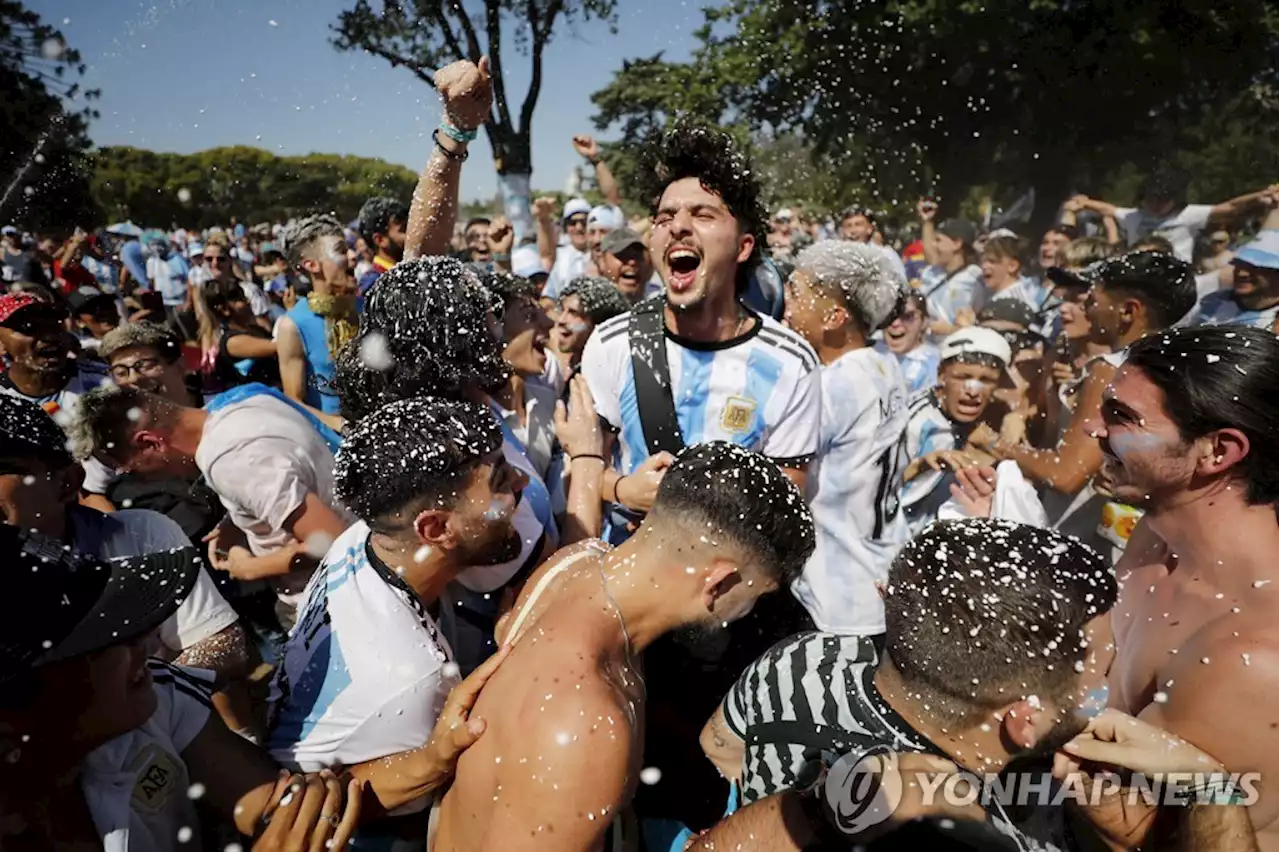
{"x":424,"y":35}
{"x":937,"y":95}
{"x":209,"y":187}
{"x":42,"y":139}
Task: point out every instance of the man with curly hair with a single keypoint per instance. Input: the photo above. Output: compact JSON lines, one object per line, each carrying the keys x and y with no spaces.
{"x":694,"y":366}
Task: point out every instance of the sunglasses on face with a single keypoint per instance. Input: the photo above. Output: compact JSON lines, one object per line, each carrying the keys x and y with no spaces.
{"x":222,"y":258}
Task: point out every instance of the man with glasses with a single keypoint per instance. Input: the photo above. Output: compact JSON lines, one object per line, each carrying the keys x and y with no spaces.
{"x":567,"y":261}
{"x":217,"y":255}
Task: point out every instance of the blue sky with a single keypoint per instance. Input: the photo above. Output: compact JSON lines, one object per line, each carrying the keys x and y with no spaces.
{"x":185,"y":75}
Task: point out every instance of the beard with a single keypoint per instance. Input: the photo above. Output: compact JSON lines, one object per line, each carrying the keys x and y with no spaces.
{"x":501,"y":544}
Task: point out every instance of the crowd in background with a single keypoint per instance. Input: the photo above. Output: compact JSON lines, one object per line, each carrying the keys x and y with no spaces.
{"x":686,"y":508}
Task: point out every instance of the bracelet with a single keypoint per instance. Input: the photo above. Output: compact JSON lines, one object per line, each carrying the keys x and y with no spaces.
{"x":452,"y":155}
{"x":616,"y":483}
{"x":457,"y":134}
{"x":589,"y":456}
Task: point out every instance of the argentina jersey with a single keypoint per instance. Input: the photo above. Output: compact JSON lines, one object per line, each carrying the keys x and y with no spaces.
{"x":365,"y":672}
{"x":946,"y":295}
{"x":759,"y":390}
{"x":928,"y":430}
{"x":1221,"y":308}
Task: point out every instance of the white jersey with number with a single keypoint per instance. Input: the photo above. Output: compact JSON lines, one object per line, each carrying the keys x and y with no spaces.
{"x":853,"y":492}
{"x":759,"y":390}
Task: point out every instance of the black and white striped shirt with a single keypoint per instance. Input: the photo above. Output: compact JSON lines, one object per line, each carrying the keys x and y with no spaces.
{"x":810,"y":691}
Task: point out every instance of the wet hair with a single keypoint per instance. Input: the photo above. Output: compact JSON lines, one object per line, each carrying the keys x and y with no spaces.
{"x":27,"y":431}
{"x":1005,"y":247}
{"x":299,"y":237}
{"x":377,"y":214}
{"x":865,"y":212}
{"x":425,"y":331}
{"x":1221,"y":377}
{"x":692,"y":150}
{"x":599,"y":298}
{"x":1084,"y":252}
{"x":409,"y":456}
{"x":1153,"y":242}
{"x":1163,"y":283}
{"x":152,"y":335}
{"x":729,"y":494}
{"x":981,"y":613}
{"x":506,"y":290}
{"x":106,"y":418}
{"x":870,"y":288}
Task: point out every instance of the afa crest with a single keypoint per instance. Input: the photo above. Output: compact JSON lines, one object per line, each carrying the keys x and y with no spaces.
{"x":738,"y":414}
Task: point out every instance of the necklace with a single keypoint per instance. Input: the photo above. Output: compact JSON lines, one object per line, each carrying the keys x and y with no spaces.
{"x":626,"y":637}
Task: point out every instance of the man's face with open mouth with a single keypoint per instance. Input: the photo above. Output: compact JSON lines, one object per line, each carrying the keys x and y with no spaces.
{"x":696,"y":243}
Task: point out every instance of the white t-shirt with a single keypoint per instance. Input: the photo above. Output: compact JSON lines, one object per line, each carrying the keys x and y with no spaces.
{"x":366,"y":670}
{"x":1179,"y":229}
{"x":570,"y":263}
{"x":136,"y":785}
{"x":759,"y":391}
{"x":166,"y":281}
{"x":263,"y":457}
{"x":137,"y":532}
{"x":853,"y":492}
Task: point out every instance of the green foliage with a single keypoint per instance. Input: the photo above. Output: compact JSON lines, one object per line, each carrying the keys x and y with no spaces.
{"x":43,"y":117}
{"x":907,"y":97}
{"x":425,"y":35}
{"x":248,"y":183}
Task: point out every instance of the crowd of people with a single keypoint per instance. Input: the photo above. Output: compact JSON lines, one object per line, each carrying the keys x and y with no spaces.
{"x":705,"y":530}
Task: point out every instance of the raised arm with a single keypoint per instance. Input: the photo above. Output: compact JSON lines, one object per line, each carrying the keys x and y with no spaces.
{"x":1237,"y":207}
{"x":1078,"y":457}
{"x":588,"y":148}
{"x":544,"y":211}
{"x":467,"y":93}
{"x":928,"y":211}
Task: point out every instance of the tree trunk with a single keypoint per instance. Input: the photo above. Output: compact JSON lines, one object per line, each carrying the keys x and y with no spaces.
{"x":513,"y":159}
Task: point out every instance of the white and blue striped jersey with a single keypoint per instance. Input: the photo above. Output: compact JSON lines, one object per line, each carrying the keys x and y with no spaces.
{"x":947,"y":296}
{"x":1027,"y":290}
{"x":365,"y":672}
{"x":759,"y":390}
{"x":928,"y":430}
{"x":1221,"y":308}
{"x":852,"y":488}
{"x":919,"y":366}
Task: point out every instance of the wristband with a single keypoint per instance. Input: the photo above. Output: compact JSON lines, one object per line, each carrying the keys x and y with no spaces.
{"x":452,"y":155}
{"x":502,"y":256}
{"x":457,"y":134}
{"x":591,"y":456}
{"x":617,"y":482}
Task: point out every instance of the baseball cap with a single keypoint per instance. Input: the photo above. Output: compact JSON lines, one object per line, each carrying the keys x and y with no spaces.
{"x":604,"y":216}
{"x":195,"y":248}
{"x":1264,"y":251}
{"x":620,"y":239}
{"x":27,"y":431}
{"x":13,"y":303}
{"x":1008,"y":310}
{"x":575,"y":207}
{"x":9,"y":231}
{"x":1140,"y":267}
{"x":783,"y":213}
{"x":1062,"y":277}
{"x":60,"y":604}
{"x":526,"y":262}
{"x":958,"y":229}
{"x":975,"y":341}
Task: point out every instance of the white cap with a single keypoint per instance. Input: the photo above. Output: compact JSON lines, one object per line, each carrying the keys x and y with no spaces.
{"x":783,"y":213}
{"x":606,"y":217}
{"x":574,"y":206}
{"x":194,"y":248}
{"x":526,"y":262}
{"x":975,"y":340}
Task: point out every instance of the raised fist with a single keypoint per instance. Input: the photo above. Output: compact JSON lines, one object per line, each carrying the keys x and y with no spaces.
{"x":501,"y":235}
{"x":467,"y":93}
{"x":587,"y":147}
{"x":545,"y":207}
{"x":927,"y":208}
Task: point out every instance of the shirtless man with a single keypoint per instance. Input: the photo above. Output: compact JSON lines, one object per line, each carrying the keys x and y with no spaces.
{"x":1188,"y":432}
{"x":561,"y":753}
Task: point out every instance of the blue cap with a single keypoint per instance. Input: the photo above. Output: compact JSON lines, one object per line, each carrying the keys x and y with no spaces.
{"x":1264,"y":251}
